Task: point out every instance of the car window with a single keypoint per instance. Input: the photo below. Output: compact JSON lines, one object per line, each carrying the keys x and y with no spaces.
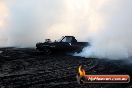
{"x":67,"y":39}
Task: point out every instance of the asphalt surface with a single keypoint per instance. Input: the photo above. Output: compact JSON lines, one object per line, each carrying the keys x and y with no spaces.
{"x":28,"y":68}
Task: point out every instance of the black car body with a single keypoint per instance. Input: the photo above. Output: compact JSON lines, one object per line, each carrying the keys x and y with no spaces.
{"x":66,"y":44}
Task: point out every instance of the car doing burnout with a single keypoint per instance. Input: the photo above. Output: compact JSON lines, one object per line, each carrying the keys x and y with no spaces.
{"x":65,"y":44}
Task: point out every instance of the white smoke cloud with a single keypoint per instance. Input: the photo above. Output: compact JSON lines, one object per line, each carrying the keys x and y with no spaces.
{"x":113,"y":38}
{"x":3,"y":22}
{"x":107,"y":23}
{"x":31,"y":21}
{"x":28,"y":21}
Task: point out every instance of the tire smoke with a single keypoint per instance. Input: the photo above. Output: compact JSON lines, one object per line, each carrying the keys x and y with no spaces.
{"x":113,"y":38}
{"x":106,"y":23}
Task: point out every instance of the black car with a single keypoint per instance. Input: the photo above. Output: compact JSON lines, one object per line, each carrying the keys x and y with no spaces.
{"x":66,"y":44}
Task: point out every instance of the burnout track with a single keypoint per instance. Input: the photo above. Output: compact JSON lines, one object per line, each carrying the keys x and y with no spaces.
{"x":27,"y":68}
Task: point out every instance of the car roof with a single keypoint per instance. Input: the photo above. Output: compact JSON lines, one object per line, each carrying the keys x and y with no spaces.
{"x":68,"y":36}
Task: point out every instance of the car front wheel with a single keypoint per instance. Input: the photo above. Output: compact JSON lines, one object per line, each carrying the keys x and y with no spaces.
{"x":47,"y":51}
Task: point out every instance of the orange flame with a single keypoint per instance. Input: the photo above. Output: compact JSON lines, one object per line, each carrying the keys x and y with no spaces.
{"x":81,"y":71}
